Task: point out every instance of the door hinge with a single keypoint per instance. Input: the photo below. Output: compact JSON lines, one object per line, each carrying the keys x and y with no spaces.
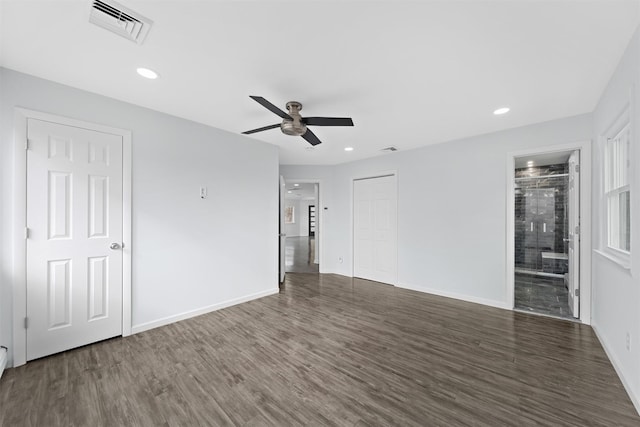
{"x":577,"y":168}
{"x":577,"y":230}
{"x":27,"y":144}
{"x":26,"y":232}
{"x":26,"y":323}
{"x":576,"y":292}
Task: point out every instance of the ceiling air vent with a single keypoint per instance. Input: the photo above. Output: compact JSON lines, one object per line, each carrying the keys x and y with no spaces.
{"x":118,"y":19}
{"x":389,"y":149}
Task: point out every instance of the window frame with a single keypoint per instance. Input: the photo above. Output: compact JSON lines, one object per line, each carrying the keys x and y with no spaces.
{"x":611,"y":225}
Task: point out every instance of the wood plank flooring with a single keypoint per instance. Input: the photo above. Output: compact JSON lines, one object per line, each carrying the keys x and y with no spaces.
{"x":330,"y":350}
{"x":299,"y":255}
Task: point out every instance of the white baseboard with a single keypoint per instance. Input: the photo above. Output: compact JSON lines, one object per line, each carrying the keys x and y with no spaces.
{"x":616,"y":365}
{"x":467,"y":298}
{"x":3,"y":360}
{"x":338,"y":272}
{"x":204,"y":310}
{"x":462,"y":297}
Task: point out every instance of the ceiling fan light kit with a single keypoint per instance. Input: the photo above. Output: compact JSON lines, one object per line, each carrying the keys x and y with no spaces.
{"x":293,"y":127}
{"x":294,"y":124}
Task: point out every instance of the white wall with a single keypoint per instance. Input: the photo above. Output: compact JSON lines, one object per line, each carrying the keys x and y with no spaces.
{"x":451,"y":209}
{"x":188,"y":254}
{"x":616,"y":290}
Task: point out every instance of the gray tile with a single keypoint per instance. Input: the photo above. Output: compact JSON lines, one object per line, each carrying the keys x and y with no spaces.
{"x":544,"y":295}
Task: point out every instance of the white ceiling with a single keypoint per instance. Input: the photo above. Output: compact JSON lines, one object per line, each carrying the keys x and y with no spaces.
{"x":301,"y":191}
{"x":408,"y":73}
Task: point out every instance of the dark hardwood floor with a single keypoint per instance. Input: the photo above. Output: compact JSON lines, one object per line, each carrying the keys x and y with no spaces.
{"x":299,"y":255}
{"x":329,"y":350}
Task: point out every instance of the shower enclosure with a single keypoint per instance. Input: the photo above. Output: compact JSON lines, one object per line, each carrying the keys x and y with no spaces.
{"x":541,"y":220}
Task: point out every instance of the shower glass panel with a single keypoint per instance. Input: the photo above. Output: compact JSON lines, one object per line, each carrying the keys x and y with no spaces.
{"x":541,"y":220}
{"x":539,"y":226}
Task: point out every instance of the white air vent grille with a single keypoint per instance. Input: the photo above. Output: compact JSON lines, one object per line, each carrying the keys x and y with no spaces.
{"x":389,"y":149}
{"x":118,"y":19}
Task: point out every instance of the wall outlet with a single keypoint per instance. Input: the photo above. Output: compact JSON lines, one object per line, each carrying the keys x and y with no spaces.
{"x":628,"y":341}
{"x":340,"y":260}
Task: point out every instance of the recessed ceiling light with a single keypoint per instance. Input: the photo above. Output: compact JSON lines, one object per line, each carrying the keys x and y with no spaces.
{"x":530,"y":163}
{"x":147,"y":73}
{"x":289,"y":191}
{"x":348,"y":148}
{"x":502,"y":110}
{"x":296,"y":185}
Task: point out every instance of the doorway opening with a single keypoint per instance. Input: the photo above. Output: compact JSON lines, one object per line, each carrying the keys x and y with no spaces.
{"x":546,"y":195}
{"x":301,"y":226}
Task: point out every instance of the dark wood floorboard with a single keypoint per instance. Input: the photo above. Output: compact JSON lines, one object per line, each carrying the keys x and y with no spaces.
{"x":330,"y":351}
{"x":300,"y":254}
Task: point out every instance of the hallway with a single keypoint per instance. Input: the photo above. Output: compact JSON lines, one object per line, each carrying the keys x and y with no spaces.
{"x":300,"y":254}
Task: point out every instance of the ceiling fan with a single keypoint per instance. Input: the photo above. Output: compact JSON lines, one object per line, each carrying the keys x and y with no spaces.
{"x":294,"y":124}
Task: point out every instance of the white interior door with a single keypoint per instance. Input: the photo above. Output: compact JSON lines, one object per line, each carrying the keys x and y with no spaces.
{"x":282,"y":236}
{"x":74,"y":220}
{"x":573,"y":277}
{"x":375,"y":229}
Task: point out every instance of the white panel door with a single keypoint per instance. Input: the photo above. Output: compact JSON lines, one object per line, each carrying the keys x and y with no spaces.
{"x":375,"y":229}
{"x":74,"y":216}
{"x":573,"y":277}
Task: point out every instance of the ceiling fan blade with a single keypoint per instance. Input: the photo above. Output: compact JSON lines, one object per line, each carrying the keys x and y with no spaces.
{"x":328,"y":121}
{"x":269,"y":106}
{"x":277,"y":125}
{"x":311,"y":137}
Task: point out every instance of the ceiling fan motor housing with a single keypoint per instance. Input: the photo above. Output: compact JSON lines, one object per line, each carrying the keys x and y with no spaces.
{"x":293,"y":127}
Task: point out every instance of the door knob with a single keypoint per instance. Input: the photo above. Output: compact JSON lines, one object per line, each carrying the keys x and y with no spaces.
{"x":114,"y":246}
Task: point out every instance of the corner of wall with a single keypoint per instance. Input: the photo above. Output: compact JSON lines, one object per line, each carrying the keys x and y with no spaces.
{"x":635,"y":397}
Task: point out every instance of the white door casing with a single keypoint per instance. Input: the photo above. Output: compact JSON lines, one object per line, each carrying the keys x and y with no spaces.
{"x":74,"y":280}
{"x":282,"y":237}
{"x":573,"y":277}
{"x":375,"y":229}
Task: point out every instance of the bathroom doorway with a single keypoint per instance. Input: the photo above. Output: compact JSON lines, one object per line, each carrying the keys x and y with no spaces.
{"x":546,"y":194}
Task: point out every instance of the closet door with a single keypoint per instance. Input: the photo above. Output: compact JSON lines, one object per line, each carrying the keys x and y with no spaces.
{"x":375,"y":229}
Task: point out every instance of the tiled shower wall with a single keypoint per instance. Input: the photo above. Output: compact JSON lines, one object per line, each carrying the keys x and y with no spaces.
{"x":541,"y":218}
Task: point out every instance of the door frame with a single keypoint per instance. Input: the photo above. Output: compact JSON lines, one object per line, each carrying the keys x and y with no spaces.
{"x":21,"y":116}
{"x":319,"y":216}
{"x":282,"y":236}
{"x":585,"y":221}
{"x":354,"y":178}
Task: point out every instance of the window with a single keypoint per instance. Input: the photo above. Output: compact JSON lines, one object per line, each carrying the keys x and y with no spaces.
{"x":289,"y":217}
{"x":617,"y":194}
